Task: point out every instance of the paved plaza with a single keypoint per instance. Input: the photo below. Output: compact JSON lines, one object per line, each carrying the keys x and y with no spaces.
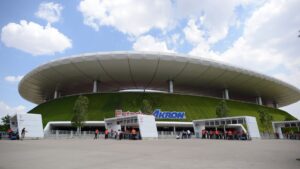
{"x":149,"y":154}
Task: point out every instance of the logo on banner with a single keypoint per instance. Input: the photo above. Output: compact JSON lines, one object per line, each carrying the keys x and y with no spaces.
{"x":168,"y":114}
{"x":120,"y":113}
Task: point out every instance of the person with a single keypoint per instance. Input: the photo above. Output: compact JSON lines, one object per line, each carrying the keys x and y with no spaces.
{"x":203,"y":132}
{"x":211,"y":134}
{"x":276,"y":135}
{"x":106,"y":134}
{"x":116,"y":134}
{"x":96,"y":134}
{"x":111,"y":133}
{"x":221,"y":134}
{"x":23,"y":133}
{"x":183,"y":133}
{"x":188,"y":134}
{"x":229,"y":135}
{"x":217,"y":134}
{"x":244,"y":136}
{"x":9,"y":132}
{"x":235,"y":134}
{"x":133,"y":133}
{"x":120,"y":134}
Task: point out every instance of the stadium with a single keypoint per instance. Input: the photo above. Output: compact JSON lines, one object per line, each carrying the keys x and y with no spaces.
{"x":170,"y":82}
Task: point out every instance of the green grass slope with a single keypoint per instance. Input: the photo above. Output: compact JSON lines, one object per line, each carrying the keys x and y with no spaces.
{"x":104,"y":105}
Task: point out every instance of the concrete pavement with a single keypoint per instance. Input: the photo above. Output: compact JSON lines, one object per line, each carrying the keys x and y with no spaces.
{"x":149,"y":154}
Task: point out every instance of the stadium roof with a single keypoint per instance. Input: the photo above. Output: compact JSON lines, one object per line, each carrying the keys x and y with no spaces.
{"x":117,"y":71}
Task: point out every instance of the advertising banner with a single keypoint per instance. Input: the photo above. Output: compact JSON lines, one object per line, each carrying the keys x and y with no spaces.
{"x":158,"y":114}
{"x":120,"y":113}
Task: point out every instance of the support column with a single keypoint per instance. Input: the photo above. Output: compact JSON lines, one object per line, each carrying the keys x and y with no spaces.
{"x":275,"y":104}
{"x":198,"y":133}
{"x":171,"y":88}
{"x":95,"y":86}
{"x":226,"y":94}
{"x":259,"y":100}
{"x":278,"y":130}
{"x":55,"y":94}
{"x":174,"y":130}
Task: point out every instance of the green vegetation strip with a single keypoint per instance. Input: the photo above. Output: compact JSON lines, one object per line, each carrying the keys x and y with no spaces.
{"x":104,"y":105}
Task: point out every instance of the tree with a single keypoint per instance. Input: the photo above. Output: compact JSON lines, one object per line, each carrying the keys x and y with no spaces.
{"x":222,"y":109}
{"x":146,"y":107}
{"x":265,"y":119}
{"x":5,"y":123}
{"x":80,"y":110}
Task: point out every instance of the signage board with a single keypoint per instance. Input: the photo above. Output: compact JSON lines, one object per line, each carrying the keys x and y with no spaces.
{"x":158,"y":114}
{"x":120,"y":113}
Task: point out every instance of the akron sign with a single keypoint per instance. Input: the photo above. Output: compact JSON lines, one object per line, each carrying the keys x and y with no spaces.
{"x":168,"y":114}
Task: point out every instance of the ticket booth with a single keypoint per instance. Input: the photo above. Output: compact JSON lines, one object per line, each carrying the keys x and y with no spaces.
{"x":31,"y":122}
{"x":144,"y":125}
{"x":228,"y":123}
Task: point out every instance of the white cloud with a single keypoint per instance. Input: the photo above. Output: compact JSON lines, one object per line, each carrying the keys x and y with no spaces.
{"x":174,"y":41}
{"x":49,"y":11}
{"x":139,"y":17}
{"x":128,"y":16}
{"x":270,"y":44}
{"x":13,"y":79}
{"x":215,"y":23}
{"x":149,"y":43}
{"x":264,"y":60}
{"x":8,"y":110}
{"x":193,"y":34}
{"x":270,"y":41}
{"x":33,"y":38}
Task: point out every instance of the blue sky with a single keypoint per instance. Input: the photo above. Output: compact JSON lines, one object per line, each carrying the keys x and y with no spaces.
{"x":259,"y":35}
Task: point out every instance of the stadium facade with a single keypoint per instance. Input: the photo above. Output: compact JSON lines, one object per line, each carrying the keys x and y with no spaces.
{"x":169,"y":73}
{"x":173,"y":73}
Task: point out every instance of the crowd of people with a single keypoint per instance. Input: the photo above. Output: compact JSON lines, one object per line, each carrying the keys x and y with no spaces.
{"x":130,"y":134}
{"x":227,"y":135}
{"x":184,"y":135}
{"x":291,"y":135}
{"x":13,"y":135}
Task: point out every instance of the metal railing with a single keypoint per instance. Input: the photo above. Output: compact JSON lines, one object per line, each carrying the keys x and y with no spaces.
{"x":68,"y":134}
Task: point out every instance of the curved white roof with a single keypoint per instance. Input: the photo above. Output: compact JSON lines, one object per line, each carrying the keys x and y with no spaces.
{"x":144,"y":70}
